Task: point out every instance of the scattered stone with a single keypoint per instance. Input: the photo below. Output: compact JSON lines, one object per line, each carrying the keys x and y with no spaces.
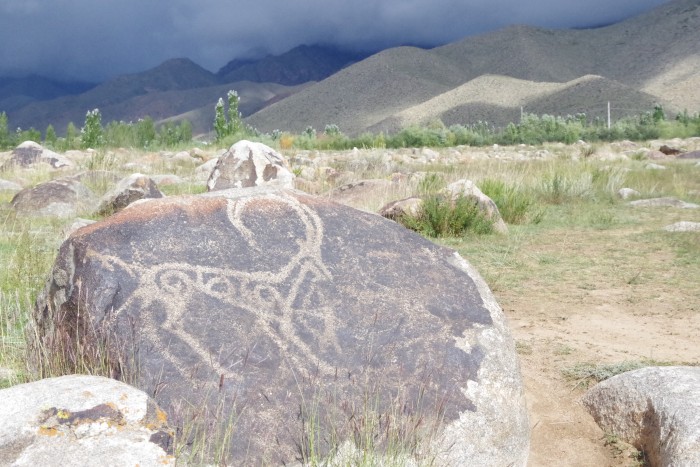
{"x":63,"y":198}
{"x":652,"y":166}
{"x":183,"y":157}
{"x":81,"y":420}
{"x":77,"y":224}
{"x":669,"y":151}
{"x":357,"y":192}
{"x":627,"y":193}
{"x":203,"y":172}
{"x":292,"y":308}
{"x":690,"y":155}
{"x":468,"y":189}
{"x":6,"y":185}
{"x":30,"y":153}
{"x":663,"y":202}
{"x":656,"y":409}
{"x":683,"y":226}
{"x":129,"y":189}
{"x":166,"y":179}
{"x":247,"y":164}
{"x":657,"y":155}
{"x":395,"y":210}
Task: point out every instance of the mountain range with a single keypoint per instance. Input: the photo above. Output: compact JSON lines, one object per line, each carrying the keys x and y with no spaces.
{"x":634,"y":64}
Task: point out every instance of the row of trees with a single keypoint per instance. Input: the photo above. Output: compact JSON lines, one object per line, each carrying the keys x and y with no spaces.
{"x":229,"y":127}
{"x":532,"y":129}
{"x":141,"y":134}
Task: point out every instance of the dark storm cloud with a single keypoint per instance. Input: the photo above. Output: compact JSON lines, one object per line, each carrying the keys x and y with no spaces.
{"x":95,"y":39}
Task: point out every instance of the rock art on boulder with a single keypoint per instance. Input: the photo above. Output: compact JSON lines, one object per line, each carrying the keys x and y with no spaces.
{"x":295,"y":311}
{"x":656,"y":409}
{"x":29,"y":153}
{"x":468,"y":189}
{"x":63,"y":198}
{"x":132,"y":188}
{"x":82,"y":420}
{"x":247,"y":164}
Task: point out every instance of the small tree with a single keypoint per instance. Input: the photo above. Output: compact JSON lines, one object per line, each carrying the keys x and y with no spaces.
{"x":50,"y":137}
{"x":220,"y":125}
{"x":91,"y":133}
{"x":5,"y":137}
{"x":235,"y":122}
{"x":71,"y":135}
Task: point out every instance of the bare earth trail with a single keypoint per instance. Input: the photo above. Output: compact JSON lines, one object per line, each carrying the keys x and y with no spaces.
{"x":624,"y":292}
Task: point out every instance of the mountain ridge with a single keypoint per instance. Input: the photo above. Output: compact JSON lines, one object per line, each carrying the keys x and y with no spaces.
{"x":648,"y":58}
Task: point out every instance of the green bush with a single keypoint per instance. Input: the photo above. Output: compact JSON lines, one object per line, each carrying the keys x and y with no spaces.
{"x":516,"y":206}
{"x":442,"y":217}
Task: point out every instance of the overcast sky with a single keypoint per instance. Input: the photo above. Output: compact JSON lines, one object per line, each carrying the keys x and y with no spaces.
{"x":97,"y":39}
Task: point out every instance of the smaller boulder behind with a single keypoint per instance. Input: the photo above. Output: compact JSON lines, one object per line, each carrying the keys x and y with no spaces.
{"x":129,"y":189}
{"x":247,"y":164}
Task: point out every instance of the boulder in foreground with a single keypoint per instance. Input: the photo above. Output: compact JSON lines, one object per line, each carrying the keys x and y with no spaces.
{"x":656,"y":409}
{"x":81,"y":420}
{"x":307,"y":319}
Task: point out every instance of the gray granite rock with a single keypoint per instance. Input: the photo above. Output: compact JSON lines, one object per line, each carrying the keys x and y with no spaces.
{"x":129,"y":189}
{"x":664,"y":202}
{"x":656,"y":409}
{"x":29,"y":153}
{"x":248,"y":164}
{"x":294,"y":310}
{"x":82,"y":420}
{"x":62,"y":198}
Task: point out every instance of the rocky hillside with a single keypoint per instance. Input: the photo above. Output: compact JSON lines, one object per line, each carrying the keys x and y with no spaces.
{"x":300,"y":65}
{"x":646,"y":59}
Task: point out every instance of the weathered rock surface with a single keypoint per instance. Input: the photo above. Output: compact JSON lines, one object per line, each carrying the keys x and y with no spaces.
{"x":468,"y":189}
{"x":627,"y":193}
{"x":63,"y":198}
{"x":6,"y":185}
{"x":82,"y":420}
{"x":690,"y":155}
{"x":664,"y":202}
{"x":683,"y":226}
{"x":29,"y":153}
{"x":656,"y":409}
{"x":361,"y":191}
{"x":395,"y":210}
{"x":293,"y":308}
{"x":248,"y":164}
{"x":129,"y":189}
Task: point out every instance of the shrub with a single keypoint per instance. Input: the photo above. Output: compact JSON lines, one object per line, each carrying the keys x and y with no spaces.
{"x":442,"y":217}
{"x":515,"y":206}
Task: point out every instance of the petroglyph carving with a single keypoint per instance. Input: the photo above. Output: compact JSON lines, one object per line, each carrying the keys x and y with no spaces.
{"x":274,"y":298}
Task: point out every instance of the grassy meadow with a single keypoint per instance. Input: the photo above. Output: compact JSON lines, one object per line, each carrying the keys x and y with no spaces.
{"x":570,"y":237}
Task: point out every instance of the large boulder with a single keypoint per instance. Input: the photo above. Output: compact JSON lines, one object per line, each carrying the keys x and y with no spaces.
{"x":129,"y":189}
{"x":656,"y":409}
{"x":301,"y":315}
{"x":30,"y":153}
{"x":82,"y":420}
{"x":247,"y":164}
{"x":63,"y":198}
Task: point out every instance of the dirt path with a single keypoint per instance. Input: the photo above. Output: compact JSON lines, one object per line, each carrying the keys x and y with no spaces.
{"x":628,"y":293}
